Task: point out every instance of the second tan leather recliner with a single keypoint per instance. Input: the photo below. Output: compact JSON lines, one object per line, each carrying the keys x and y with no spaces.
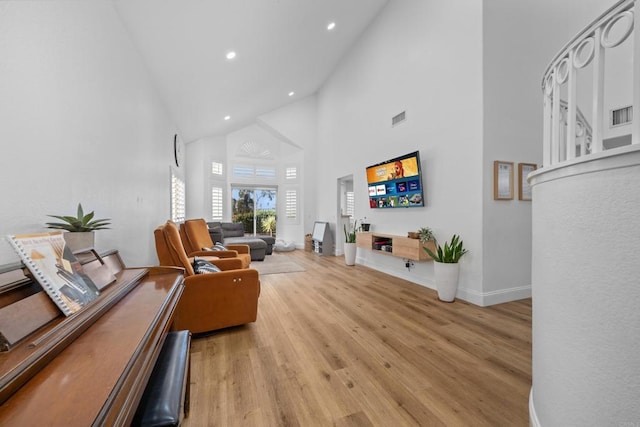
{"x":195,"y":238}
{"x":209,"y":301}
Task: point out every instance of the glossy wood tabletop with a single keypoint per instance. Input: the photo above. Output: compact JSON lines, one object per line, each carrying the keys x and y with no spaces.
{"x":93,"y":378}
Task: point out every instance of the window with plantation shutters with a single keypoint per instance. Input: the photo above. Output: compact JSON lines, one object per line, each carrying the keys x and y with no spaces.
{"x":291,"y":173}
{"x":253,"y":171}
{"x":243,"y":171}
{"x":216,"y":204}
{"x":216,"y":168}
{"x":350,"y":203}
{"x":265,"y":172}
{"x":291,"y":205}
{"x":177,"y":198}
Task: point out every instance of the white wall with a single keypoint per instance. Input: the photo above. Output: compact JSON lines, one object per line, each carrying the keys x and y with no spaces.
{"x":289,"y":133}
{"x":520,"y":39}
{"x":297,"y":123}
{"x":197,"y":181}
{"x":413,"y":57}
{"x":81,"y":122}
{"x":199,"y":155}
{"x":516,"y":53}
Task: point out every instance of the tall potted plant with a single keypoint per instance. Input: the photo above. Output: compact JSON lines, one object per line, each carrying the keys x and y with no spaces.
{"x":350,"y":244}
{"x":269,"y":224}
{"x":446,"y":267}
{"x":80,"y":228}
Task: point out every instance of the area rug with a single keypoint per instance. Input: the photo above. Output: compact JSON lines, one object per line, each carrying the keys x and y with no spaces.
{"x":276,"y":263}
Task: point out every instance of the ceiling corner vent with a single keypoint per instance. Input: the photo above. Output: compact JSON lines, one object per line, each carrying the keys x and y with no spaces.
{"x":398,"y":119}
{"x":621,"y":116}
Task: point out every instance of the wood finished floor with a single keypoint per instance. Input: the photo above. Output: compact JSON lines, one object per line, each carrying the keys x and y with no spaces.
{"x":350,"y":346}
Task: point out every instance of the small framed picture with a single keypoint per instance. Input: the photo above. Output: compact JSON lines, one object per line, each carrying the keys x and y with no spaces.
{"x":524,"y":190}
{"x":502,"y":180}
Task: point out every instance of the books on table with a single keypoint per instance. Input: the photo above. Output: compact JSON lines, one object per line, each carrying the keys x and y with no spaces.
{"x":53,"y":265}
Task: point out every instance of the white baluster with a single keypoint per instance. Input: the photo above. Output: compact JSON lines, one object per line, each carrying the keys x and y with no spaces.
{"x":635,"y":124}
{"x":546,"y":124}
{"x":571,"y":109}
{"x":598,"y":92}
{"x":555,"y":122}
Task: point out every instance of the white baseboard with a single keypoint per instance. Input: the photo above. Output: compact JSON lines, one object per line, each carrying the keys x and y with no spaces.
{"x":533,"y":417}
{"x":506,"y":295}
{"x":394,"y":273}
{"x":482,"y":299}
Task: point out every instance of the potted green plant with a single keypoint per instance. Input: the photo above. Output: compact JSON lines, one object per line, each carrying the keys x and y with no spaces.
{"x":350,"y":243}
{"x":269,"y":224}
{"x":426,"y":237}
{"x":80,"y":228}
{"x":446,"y":267}
{"x":425,"y":234}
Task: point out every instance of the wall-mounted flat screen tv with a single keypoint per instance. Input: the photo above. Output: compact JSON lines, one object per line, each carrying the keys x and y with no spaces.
{"x":396,"y":183}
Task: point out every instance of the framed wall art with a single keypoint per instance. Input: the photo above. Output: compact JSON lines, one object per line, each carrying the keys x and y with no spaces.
{"x":524,"y":190}
{"x":502,"y":180}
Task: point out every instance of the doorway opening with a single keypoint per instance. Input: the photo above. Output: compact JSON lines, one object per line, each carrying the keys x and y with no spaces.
{"x":346,"y":204}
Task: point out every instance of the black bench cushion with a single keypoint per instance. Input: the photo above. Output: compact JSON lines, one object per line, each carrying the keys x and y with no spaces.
{"x":161,"y":403}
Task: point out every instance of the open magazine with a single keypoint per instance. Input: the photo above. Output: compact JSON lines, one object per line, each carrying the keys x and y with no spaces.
{"x":58,"y":271}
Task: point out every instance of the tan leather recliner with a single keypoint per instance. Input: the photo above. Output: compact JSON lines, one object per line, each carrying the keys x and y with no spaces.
{"x":209,"y":301}
{"x":195,"y":236}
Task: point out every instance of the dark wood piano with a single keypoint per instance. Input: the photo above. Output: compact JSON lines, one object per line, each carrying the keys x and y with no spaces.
{"x":90,"y":368}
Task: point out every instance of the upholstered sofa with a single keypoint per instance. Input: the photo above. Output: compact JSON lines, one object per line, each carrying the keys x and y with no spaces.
{"x":229,"y":233}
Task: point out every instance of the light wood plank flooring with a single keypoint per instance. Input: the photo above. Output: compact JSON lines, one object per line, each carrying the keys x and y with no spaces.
{"x":350,"y":346}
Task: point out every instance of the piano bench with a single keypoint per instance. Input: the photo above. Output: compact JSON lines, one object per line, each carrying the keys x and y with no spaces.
{"x":168,"y":387}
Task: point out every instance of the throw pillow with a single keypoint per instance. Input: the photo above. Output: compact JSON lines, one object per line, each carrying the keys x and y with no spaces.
{"x":201,"y":266}
{"x":216,"y":247}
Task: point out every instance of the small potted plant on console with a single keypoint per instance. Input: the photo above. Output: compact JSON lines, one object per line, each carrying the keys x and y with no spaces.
{"x":446,"y":267}
{"x":80,"y":228}
{"x":425,"y":234}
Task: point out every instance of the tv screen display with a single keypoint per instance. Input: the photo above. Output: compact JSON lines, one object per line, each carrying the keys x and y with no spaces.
{"x":396,"y":183}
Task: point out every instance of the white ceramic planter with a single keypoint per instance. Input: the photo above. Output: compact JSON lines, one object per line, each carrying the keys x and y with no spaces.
{"x":79,"y":241}
{"x":446,"y":275}
{"x":350,"y":253}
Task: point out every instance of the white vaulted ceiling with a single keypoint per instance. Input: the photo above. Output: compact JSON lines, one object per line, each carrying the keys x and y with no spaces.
{"x":281,"y":46}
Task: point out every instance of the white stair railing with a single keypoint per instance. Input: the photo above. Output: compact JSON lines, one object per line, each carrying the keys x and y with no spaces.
{"x":596,"y":72}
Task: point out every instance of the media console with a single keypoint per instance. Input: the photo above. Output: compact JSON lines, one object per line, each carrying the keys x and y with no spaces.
{"x":398,"y":246}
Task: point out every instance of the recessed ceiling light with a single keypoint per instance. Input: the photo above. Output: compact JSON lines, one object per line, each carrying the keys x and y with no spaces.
{"x":292,"y":93}
{"x":331,"y":26}
{"x":227,"y":117}
{"x":231,"y":55}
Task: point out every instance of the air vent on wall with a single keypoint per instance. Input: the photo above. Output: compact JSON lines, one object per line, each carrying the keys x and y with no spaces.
{"x":397,"y":119}
{"x":621,"y":116}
